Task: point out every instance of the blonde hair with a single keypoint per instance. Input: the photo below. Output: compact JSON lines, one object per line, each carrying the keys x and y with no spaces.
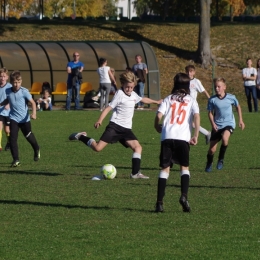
{"x":4,"y":70}
{"x":128,"y":77}
{"x":15,"y":75}
{"x":220,"y":79}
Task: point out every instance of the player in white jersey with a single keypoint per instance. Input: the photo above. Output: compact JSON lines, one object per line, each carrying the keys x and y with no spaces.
{"x":222,"y":120}
{"x":4,"y":110}
{"x":119,"y":128}
{"x":178,"y":111}
{"x":249,"y":77}
{"x":195,"y":88}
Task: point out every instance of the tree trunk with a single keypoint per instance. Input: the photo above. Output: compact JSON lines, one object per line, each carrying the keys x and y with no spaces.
{"x":204,"y":52}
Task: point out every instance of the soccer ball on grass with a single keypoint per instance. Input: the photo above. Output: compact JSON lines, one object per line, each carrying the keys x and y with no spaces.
{"x":108,"y":171}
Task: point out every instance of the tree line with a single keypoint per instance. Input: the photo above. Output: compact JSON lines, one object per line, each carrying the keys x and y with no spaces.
{"x":95,"y":8}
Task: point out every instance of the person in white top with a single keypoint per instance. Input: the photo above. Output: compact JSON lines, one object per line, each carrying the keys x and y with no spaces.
{"x":119,"y":128}
{"x":195,"y":87}
{"x":249,"y":77}
{"x":44,"y":102}
{"x":105,"y":78}
{"x":258,"y":79}
{"x":177,"y":111}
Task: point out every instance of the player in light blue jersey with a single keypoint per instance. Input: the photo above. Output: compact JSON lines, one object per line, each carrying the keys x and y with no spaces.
{"x":17,"y":98}
{"x":222,"y":120}
{"x":4,"y":110}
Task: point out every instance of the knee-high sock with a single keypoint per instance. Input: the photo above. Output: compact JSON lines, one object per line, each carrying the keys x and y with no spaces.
{"x":136,"y":163}
{"x":203,"y":131}
{"x":185,"y":181}
{"x":163,"y":176}
{"x":222,"y":152}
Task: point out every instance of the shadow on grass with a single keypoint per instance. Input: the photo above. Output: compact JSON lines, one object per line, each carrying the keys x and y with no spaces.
{"x":214,"y":187}
{"x":57,"y":205}
{"x":30,"y":173}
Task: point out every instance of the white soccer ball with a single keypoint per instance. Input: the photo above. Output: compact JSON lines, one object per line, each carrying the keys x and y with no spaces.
{"x":108,"y":171}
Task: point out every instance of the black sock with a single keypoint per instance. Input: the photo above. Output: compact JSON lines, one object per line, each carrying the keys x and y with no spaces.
{"x":136,"y":164}
{"x":161,"y":189}
{"x":84,"y":139}
{"x":210,"y":158}
{"x":185,"y":181}
{"x":32,"y":140}
{"x":222,"y":152}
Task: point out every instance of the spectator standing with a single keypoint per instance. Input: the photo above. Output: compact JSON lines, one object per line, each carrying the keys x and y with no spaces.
{"x":74,"y":70}
{"x":258,"y":78}
{"x":105,"y":78}
{"x":249,"y":77}
{"x":140,"y":70}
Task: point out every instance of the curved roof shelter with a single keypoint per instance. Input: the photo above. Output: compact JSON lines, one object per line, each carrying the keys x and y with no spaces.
{"x":47,"y":61}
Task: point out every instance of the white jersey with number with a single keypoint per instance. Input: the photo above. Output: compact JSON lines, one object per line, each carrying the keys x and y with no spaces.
{"x":123,"y":108}
{"x":195,"y":87}
{"x":178,"y":117}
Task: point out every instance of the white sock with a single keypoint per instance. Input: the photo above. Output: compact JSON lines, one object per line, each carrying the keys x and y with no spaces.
{"x":163,"y":175}
{"x":203,"y":131}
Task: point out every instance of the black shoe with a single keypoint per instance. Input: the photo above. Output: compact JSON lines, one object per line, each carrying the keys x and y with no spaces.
{"x":37,"y":155}
{"x":185,"y":204}
{"x":159,"y":207}
{"x":7,"y":146}
{"x":15,"y":163}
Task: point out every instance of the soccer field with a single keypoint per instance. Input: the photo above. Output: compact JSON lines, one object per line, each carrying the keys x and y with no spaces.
{"x":51,"y":209}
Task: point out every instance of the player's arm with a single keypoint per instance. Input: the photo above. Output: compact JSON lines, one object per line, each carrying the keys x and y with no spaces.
{"x":241,"y":123}
{"x":211,"y":119}
{"x":33,"y":115}
{"x":194,"y":139}
{"x":5,"y":102}
{"x":81,"y":69}
{"x":102,"y":116}
{"x":206,"y":93}
{"x":157,"y":120}
{"x":151,"y":101}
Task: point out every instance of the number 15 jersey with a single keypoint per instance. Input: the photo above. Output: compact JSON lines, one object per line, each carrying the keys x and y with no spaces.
{"x":178,"y":117}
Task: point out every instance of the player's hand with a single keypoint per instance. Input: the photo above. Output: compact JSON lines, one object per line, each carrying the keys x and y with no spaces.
{"x":214,"y":127}
{"x":242,"y":125}
{"x":193,"y":140}
{"x":97,"y":124}
{"x":33,"y":116}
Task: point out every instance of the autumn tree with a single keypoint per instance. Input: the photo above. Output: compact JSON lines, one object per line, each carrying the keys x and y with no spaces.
{"x":204,"y":51}
{"x":237,"y":7}
{"x":18,"y":7}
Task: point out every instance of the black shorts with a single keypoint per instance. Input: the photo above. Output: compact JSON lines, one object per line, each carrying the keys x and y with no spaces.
{"x":115,"y":133}
{"x":218,"y":135}
{"x":5,"y":120}
{"x":174,"y":151}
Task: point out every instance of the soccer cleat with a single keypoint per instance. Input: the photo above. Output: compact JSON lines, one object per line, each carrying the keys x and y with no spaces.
{"x":159,"y":207}
{"x":7,"y":146}
{"x":76,"y":136}
{"x":185,"y":204}
{"x":207,"y":137}
{"x":15,"y":163}
{"x":220,"y":164}
{"x":37,"y":155}
{"x":208,"y":167}
{"x":139,"y":175}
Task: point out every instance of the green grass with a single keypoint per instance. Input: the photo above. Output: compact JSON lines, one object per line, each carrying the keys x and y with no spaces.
{"x":51,"y":209}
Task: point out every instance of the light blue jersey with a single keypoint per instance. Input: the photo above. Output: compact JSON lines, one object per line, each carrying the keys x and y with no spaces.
{"x":3,"y":111}
{"x":18,"y":104}
{"x":222,"y":110}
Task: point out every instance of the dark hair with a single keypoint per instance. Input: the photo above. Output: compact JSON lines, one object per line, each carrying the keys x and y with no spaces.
{"x":46,"y":86}
{"x":15,"y":75}
{"x":181,"y":86}
{"x":128,"y":68}
{"x":189,"y":67}
{"x":102,"y":61}
{"x":257,"y":65}
{"x":248,"y":59}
